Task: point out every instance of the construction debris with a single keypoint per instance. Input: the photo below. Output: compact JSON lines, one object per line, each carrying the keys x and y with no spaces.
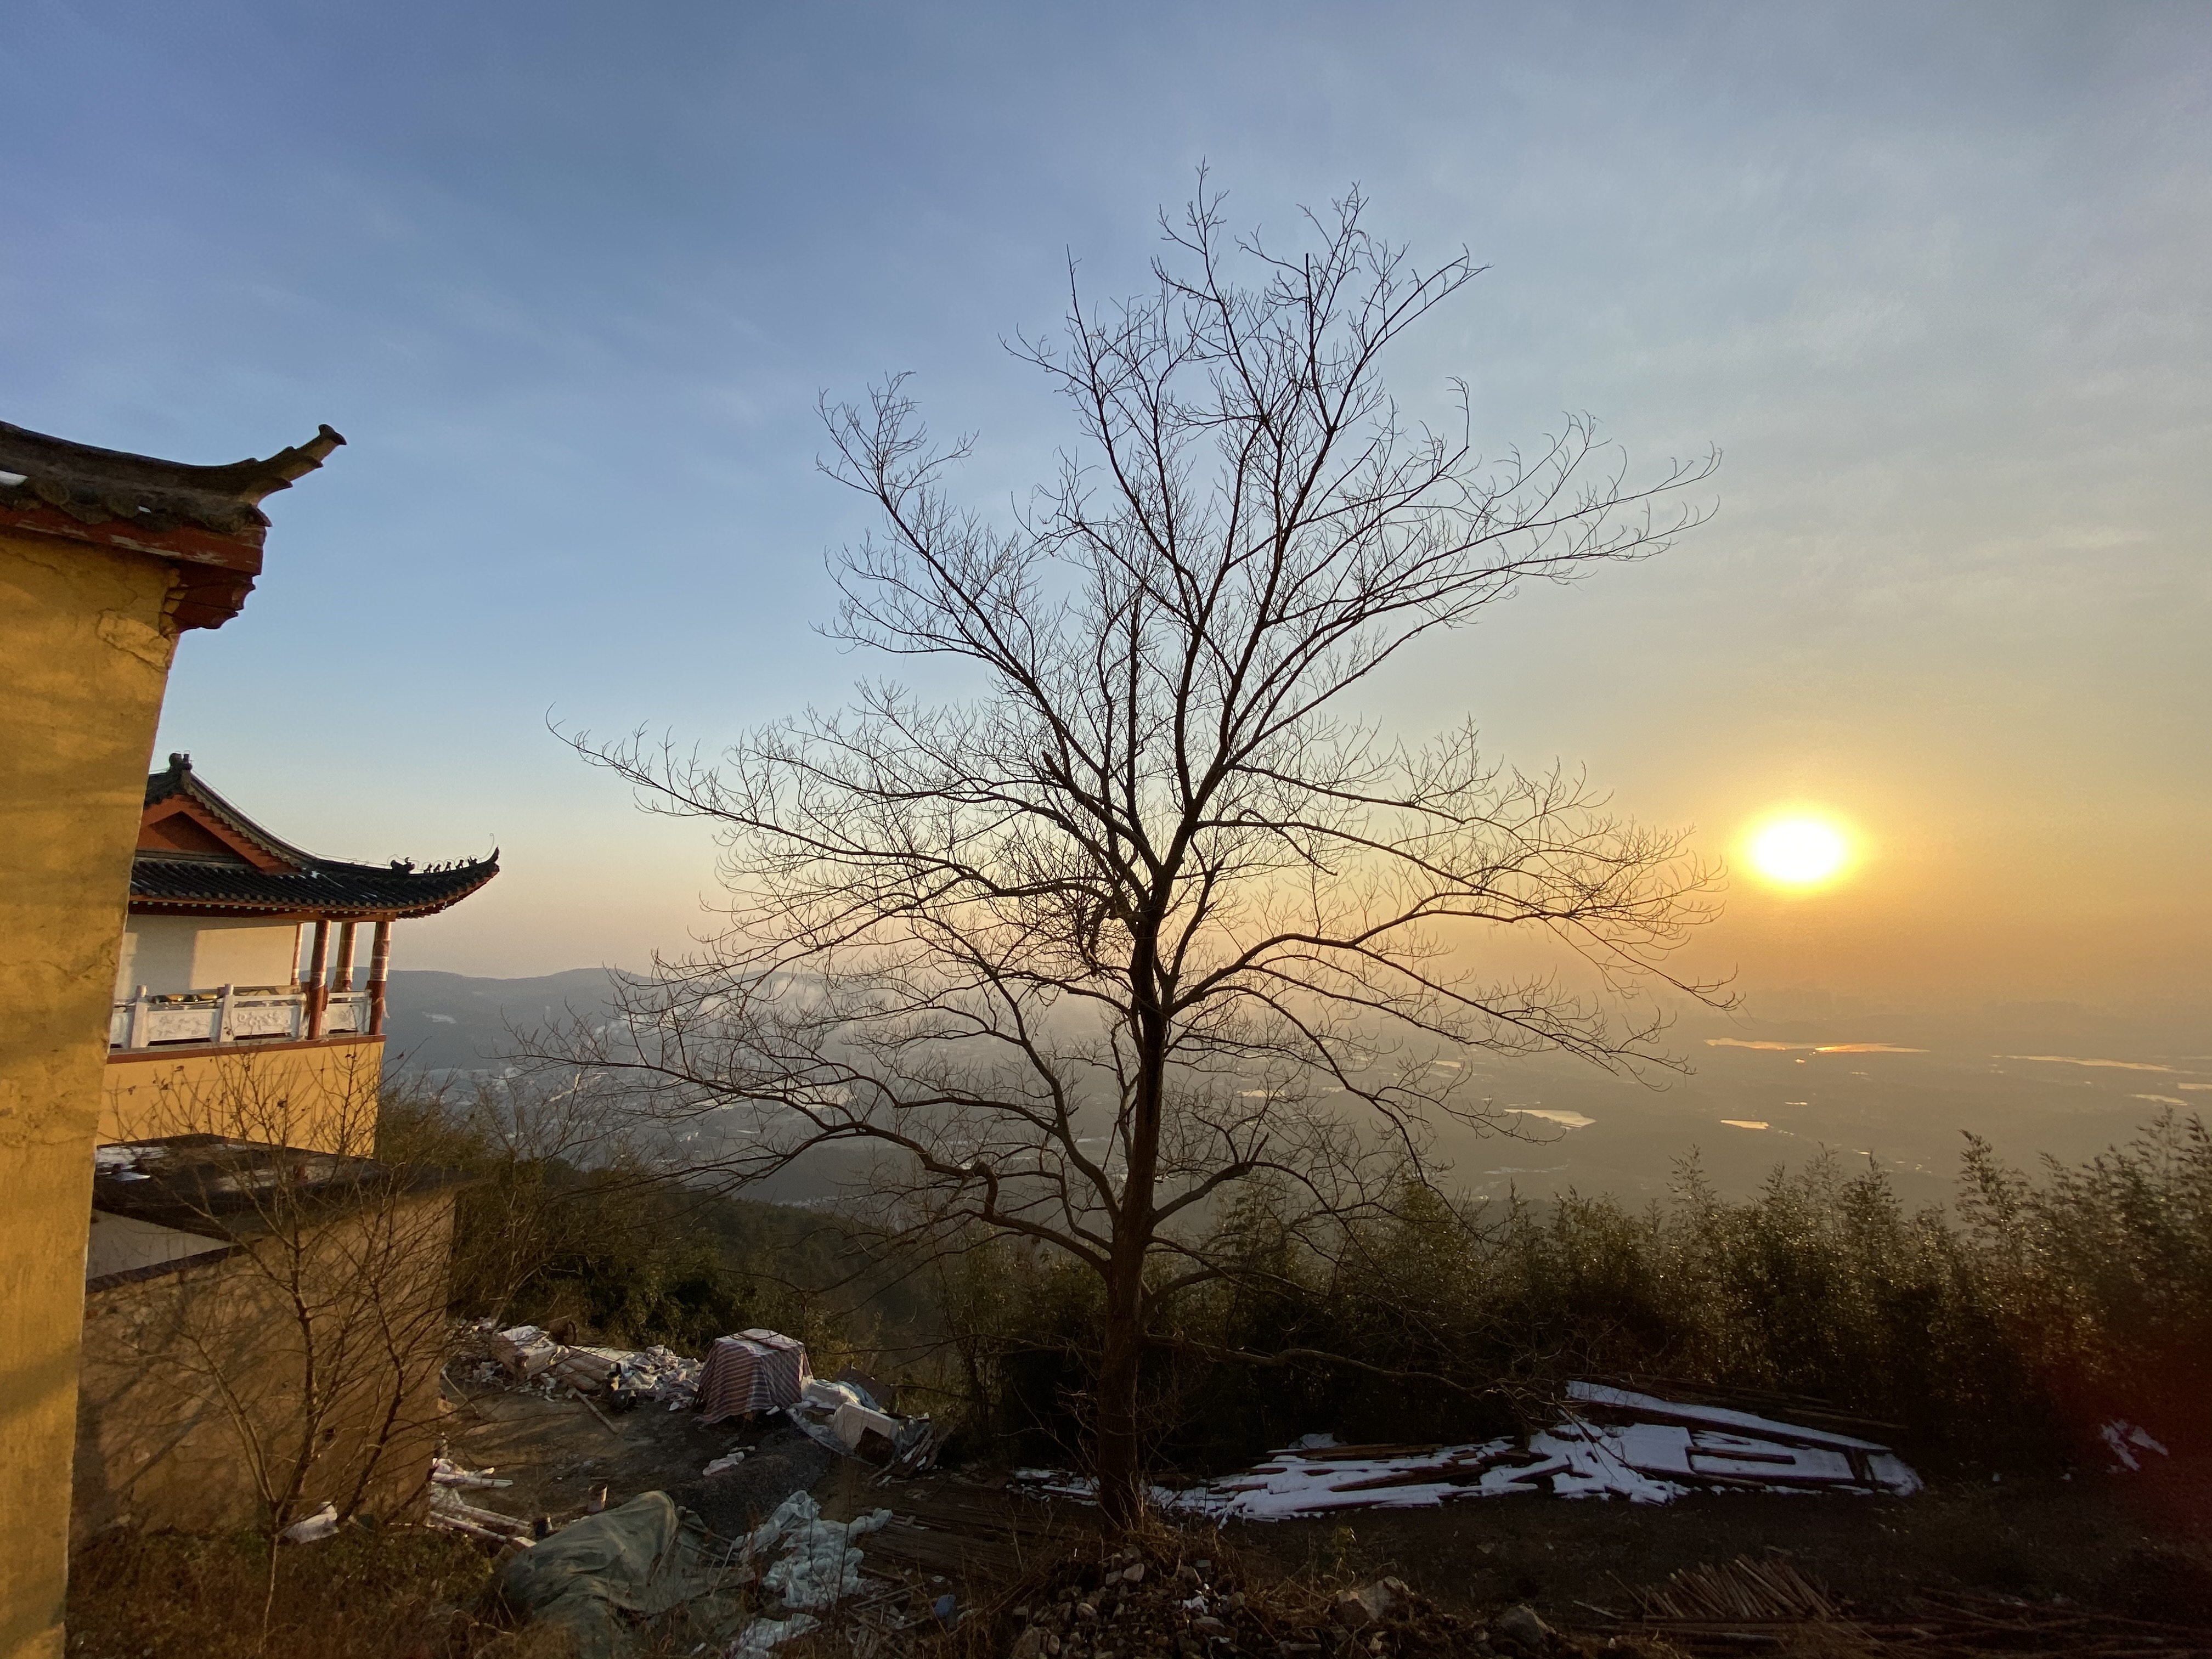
{"x":445,"y":1473}
{"x":598,"y":1576}
{"x":525,"y":1351}
{"x":601,"y":1578}
{"x":622,"y":1377}
{"x":1611,"y":1443}
{"x":452,"y":1512}
{"x":764,"y":1634}
{"x":2124,"y":1440}
{"x":1742,"y":1589}
{"x":316,"y":1528}
{"x":755,"y":1371}
{"x":752,"y":1372}
{"x":819,"y":1564}
{"x":843,"y":1417}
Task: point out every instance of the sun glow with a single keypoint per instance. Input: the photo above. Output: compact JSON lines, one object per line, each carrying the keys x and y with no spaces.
{"x":1799,"y":850}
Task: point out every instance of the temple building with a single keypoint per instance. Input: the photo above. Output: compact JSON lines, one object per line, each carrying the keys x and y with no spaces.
{"x":238,"y":1179}
{"x":239,"y":945}
{"x":106,"y":559}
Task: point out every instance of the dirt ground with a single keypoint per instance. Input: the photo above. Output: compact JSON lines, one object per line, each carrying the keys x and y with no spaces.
{"x":2140,"y":1545}
{"x":559,"y":1452}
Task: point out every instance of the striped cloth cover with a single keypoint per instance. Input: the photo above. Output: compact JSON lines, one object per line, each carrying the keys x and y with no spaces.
{"x":751,"y":1371}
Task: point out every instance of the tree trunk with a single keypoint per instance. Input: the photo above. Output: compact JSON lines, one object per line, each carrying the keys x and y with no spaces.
{"x":1120,"y":1456}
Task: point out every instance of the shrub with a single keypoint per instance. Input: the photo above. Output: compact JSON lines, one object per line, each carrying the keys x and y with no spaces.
{"x":2003,"y":1332}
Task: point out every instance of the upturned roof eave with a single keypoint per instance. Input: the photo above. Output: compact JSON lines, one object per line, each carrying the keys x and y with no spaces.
{"x":205,"y":521}
{"x":310,"y":906}
{"x":396,"y":892}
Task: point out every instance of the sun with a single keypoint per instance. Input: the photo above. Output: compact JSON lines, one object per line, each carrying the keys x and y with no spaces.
{"x":1799,"y":850}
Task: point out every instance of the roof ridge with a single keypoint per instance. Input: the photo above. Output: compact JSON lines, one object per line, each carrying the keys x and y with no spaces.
{"x":312,"y":882}
{"x":186,"y":782}
{"x":39,"y":458}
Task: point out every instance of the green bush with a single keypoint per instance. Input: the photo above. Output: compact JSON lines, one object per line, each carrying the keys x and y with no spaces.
{"x":553,"y":1225}
{"x":2003,"y":1332}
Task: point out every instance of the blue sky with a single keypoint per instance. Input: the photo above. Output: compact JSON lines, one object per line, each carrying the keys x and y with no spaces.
{"x":570,"y":279}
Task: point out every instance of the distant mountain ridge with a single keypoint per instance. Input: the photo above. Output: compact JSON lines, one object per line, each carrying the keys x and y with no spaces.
{"x":438,"y":1022}
{"x":1777,"y":1084}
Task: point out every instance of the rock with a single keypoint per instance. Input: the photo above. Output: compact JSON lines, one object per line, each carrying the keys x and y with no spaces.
{"x":1134,"y":1575}
{"x":1521,"y":1627}
{"x":1029,"y":1645}
{"x":1370,"y":1603}
{"x":1086,"y":1612}
{"x":1208,"y":1624}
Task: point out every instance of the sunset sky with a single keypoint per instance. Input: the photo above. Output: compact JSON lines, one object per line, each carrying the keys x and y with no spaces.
{"x":570,"y":279}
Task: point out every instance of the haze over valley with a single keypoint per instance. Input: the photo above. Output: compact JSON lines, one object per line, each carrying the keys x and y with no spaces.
{"x":2034,"y":1079}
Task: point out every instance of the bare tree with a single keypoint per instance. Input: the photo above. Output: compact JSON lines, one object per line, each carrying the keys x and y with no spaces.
{"x":1152,"y":914}
{"x":299,"y":1366}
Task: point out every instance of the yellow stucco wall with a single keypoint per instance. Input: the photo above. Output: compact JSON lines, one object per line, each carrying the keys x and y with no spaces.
{"x":194,"y":1378}
{"x":321,"y":1095}
{"x":84,"y":658}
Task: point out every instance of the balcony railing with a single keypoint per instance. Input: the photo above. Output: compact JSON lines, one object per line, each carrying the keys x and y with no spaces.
{"x":233,"y":1013}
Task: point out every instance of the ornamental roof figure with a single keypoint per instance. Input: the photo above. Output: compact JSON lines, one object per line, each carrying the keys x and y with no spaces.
{"x":199,"y":854}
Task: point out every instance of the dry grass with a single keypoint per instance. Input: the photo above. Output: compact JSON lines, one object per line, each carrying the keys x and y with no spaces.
{"x":403,"y":1593}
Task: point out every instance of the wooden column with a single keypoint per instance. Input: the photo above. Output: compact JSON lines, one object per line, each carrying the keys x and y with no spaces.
{"x":379,"y":965}
{"x":342,"y":971}
{"x":319,"y":968}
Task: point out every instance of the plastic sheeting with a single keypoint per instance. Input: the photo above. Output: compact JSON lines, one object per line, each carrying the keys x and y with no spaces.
{"x":817,"y":1563}
{"x":595,"y":1576}
{"x":598,"y":1577}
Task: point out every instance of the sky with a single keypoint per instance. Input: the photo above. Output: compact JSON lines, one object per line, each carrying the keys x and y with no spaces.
{"x":572,"y":279}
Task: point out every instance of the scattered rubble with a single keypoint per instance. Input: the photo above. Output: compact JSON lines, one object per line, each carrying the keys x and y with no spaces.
{"x":1135,"y":1602}
{"x":600,"y":1578}
{"x":764,"y":1634}
{"x":316,"y":1528}
{"x":754,"y":1371}
{"x":851,"y":1422}
{"x":524,"y":1356}
{"x":2124,"y":1439}
{"x":1768,"y":1590}
{"x":451,"y":1512}
{"x":1611,"y":1443}
{"x":817,"y":1563}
